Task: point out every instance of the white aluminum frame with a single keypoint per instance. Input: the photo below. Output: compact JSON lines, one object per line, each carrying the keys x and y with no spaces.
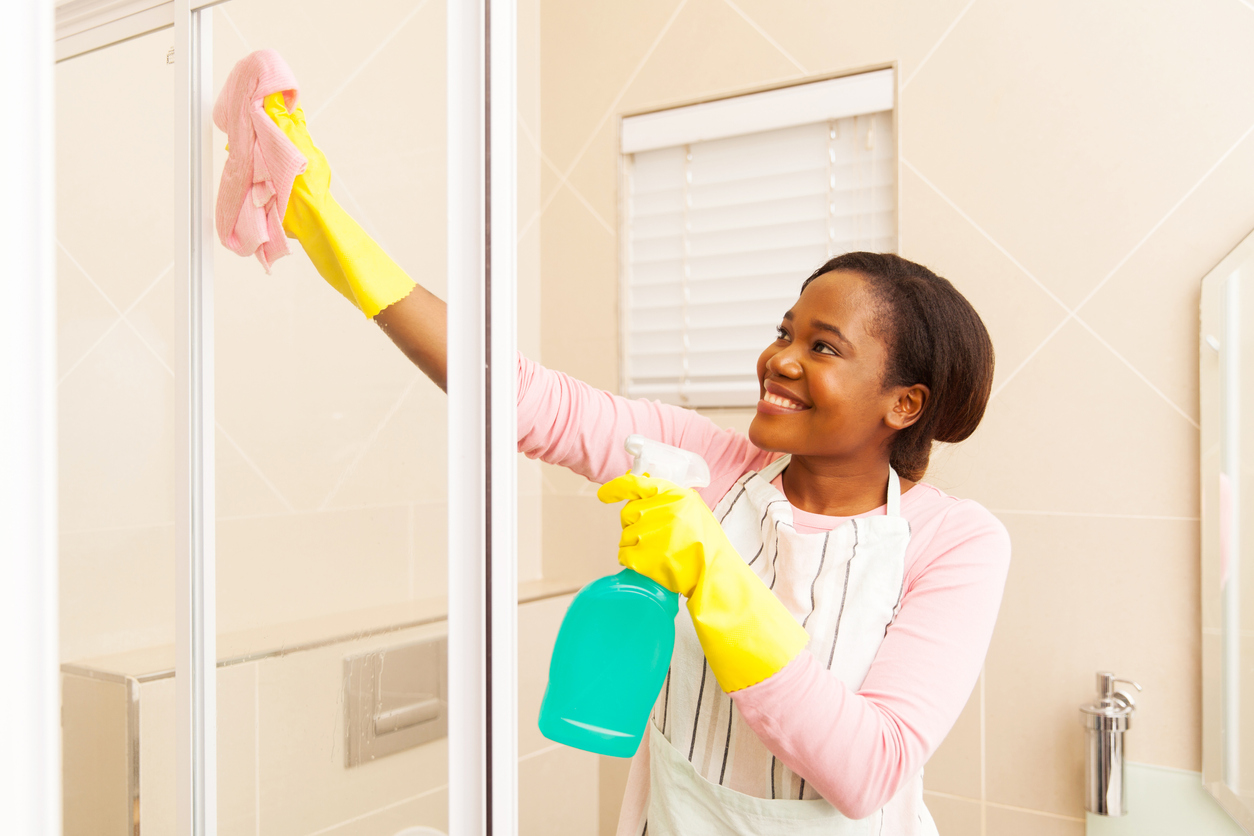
{"x":482,"y":271}
{"x":196,"y":716}
{"x":482,"y":264}
{"x":30,"y":777}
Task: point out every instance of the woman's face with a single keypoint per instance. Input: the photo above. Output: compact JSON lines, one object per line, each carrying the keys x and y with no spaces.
{"x":821,"y":383}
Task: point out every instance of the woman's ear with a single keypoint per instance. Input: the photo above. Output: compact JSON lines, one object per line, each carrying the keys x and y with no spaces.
{"x":907,"y":406}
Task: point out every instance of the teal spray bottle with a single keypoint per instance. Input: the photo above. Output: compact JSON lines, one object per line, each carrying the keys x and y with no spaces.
{"x":614,"y":646}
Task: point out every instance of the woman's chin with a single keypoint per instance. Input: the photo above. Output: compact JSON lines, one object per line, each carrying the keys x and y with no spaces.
{"x":765,"y":437}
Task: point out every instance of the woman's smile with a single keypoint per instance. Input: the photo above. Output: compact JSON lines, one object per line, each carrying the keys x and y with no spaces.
{"x":776,"y":400}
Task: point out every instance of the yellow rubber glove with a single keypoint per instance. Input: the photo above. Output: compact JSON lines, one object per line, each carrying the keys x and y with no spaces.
{"x":670,"y":535}
{"x":344,"y":254}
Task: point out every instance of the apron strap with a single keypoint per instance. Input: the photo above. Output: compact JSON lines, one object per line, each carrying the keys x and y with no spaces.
{"x":894,"y":482}
{"x":894,"y":493}
{"x":775,"y":468}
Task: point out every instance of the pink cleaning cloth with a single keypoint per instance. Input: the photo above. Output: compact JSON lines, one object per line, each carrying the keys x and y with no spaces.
{"x":261,"y":163}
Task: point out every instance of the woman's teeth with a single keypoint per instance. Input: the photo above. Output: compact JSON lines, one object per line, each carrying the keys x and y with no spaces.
{"x":786,"y":403}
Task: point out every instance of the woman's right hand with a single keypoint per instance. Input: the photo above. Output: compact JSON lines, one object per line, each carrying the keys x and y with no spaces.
{"x":352,"y":262}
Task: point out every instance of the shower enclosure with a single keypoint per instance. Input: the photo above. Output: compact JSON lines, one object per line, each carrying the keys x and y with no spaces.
{"x":295,"y":577}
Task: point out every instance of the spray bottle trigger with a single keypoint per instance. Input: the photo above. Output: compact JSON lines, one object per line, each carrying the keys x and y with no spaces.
{"x":653,"y":458}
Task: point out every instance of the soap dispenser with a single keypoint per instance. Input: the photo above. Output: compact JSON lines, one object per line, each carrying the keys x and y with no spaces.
{"x":1105,"y":721}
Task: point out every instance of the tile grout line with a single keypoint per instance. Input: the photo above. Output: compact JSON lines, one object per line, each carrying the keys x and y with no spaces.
{"x":1165,"y":218}
{"x":768,"y":37}
{"x":370,"y":441}
{"x":983,"y":232}
{"x":983,"y":760}
{"x":222,"y":10}
{"x":936,"y":45}
{"x":562,"y":181}
{"x":1138,"y":373}
{"x":116,"y":322}
{"x":410,"y":516}
{"x":121,"y":314}
{"x":1071,"y":313}
{"x":420,"y":795}
{"x":374,"y":54}
{"x":257,"y":747}
{"x":255,"y":468}
{"x":241,"y":517}
{"x":626,"y":86}
{"x":370,"y":813}
{"x":1096,"y":515}
{"x":1000,"y":806}
{"x":1006,"y":380}
{"x":537,"y":753}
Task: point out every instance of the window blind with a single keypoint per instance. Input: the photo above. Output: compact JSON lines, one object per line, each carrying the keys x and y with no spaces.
{"x":719,"y":236}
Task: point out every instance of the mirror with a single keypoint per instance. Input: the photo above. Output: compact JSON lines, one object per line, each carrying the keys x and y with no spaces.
{"x":1227,"y":559}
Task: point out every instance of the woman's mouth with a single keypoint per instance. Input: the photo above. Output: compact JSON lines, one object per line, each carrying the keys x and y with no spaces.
{"x":772,"y":404}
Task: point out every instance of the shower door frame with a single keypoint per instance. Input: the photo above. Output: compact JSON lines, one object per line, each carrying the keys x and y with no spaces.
{"x":482,"y":488}
{"x":482,"y":559}
{"x":30,"y":777}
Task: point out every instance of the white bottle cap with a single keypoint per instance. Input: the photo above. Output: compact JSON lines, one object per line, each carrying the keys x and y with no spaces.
{"x":662,"y":461}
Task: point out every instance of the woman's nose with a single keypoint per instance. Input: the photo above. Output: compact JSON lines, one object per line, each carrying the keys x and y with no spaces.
{"x":784,"y":363}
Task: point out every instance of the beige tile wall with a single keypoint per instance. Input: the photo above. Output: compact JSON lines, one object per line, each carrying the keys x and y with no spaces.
{"x":281,"y":750}
{"x":1075,"y":169}
{"x":331,"y":446}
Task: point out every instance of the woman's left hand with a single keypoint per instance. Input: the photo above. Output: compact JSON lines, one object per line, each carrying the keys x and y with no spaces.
{"x":670,"y":535}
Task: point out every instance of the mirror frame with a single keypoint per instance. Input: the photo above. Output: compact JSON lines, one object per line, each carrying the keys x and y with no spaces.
{"x":1220,"y":630}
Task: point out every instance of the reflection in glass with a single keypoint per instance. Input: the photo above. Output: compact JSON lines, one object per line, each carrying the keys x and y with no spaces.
{"x":332,"y":455}
{"x":1230,"y":532}
{"x":116,"y":327}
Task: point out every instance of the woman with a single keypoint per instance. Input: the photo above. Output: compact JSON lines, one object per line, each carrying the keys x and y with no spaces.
{"x":838,"y":609}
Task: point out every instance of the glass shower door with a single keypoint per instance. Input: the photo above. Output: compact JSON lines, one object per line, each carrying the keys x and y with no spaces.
{"x":331,"y":455}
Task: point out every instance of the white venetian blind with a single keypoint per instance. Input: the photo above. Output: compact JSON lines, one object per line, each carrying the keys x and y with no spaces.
{"x":721,"y":233}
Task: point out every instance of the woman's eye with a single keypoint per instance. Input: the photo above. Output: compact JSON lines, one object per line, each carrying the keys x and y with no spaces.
{"x":780,"y":333}
{"x":824,"y":348}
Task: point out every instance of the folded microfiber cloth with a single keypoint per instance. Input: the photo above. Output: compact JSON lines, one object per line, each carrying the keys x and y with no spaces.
{"x":262,"y":162}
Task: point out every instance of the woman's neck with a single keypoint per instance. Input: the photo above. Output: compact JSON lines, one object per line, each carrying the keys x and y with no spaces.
{"x":837,"y":489}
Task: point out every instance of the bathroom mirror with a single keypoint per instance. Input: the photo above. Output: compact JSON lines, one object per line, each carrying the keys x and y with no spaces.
{"x":1227,"y":401}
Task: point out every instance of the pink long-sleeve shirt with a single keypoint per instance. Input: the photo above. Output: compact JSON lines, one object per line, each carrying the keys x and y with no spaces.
{"x":855,"y":748}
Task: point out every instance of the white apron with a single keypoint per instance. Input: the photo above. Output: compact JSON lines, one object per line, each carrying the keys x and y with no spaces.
{"x":709,"y":772}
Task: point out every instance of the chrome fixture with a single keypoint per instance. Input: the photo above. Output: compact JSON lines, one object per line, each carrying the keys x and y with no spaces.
{"x":1105,"y":721}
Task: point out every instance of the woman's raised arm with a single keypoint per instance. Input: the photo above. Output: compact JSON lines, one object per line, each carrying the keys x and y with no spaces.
{"x":418,"y":324}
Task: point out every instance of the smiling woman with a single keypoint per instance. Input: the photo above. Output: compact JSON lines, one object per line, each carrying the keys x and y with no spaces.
{"x":878,"y":358}
{"x":895,"y":585}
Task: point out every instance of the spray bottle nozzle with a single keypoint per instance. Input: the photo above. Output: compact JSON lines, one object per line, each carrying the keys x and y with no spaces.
{"x":683,"y":467}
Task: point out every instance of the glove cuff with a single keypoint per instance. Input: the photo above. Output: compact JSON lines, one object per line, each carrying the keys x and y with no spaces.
{"x":749,"y":636}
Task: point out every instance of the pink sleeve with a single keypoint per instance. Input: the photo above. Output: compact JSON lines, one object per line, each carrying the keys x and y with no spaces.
{"x":567,"y":422}
{"x":857,"y":749}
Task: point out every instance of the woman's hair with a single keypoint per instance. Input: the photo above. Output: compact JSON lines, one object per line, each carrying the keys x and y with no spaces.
{"x":934,"y":338}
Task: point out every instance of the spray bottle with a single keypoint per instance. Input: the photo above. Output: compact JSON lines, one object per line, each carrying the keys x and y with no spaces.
{"x":614,"y":646}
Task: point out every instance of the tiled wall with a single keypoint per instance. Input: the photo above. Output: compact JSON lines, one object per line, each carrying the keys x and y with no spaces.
{"x":1075,"y":169}
{"x":331,"y":453}
{"x":281,"y":750}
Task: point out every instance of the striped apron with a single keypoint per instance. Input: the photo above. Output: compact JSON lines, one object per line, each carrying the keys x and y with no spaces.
{"x":710,"y":774}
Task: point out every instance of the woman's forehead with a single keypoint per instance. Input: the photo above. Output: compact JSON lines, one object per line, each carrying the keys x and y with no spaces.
{"x":840,"y":295}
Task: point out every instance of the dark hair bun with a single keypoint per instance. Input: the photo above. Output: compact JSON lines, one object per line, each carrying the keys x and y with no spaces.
{"x":934,"y":338}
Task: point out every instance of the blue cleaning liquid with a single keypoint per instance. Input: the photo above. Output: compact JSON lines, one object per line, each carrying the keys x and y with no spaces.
{"x":610,"y":660}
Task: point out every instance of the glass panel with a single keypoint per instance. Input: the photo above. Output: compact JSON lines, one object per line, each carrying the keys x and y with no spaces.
{"x":331,"y":454}
{"x":116,"y":327}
